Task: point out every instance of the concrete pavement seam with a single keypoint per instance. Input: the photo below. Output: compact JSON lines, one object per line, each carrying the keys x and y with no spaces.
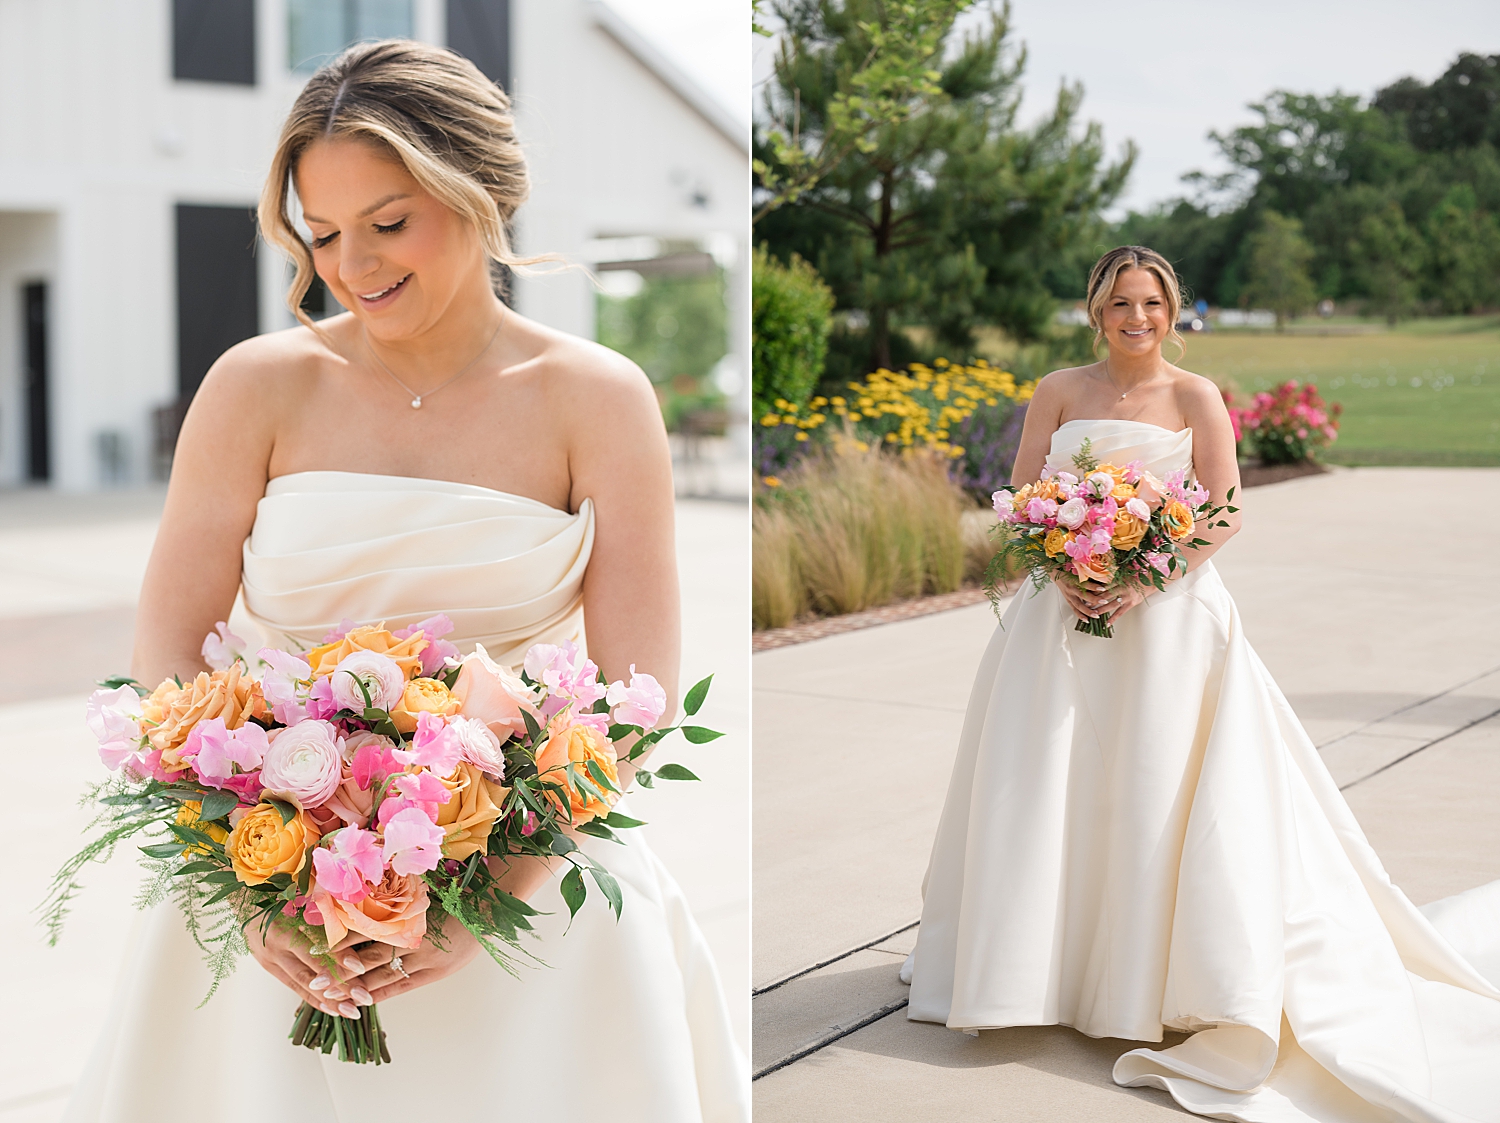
{"x":827,"y":962}
{"x":829,"y":1038}
{"x":1420,"y":748}
{"x":1409,"y":706}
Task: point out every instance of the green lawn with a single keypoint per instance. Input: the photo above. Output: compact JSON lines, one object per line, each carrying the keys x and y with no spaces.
{"x":1427,"y":392}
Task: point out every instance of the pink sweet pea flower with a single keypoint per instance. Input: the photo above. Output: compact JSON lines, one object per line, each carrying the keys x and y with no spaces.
{"x":413,"y":842}
{"x":1132,"y":471}
{"x":113,"y":717}
{"x":1158,"y":562}
{"x":568,"y":675}
{"x":247,"y":786}
{"x":285,"y":684}
{"x":320,"y":702}
{"x":433,"y":629}
{"x":641,"y":703}
{"x":421,"y":790}
{"x":433,"y":745}
{"x":222,"y":647}
{"x":1040,"y":510}
{"x":373,"y":762}
{"x":346,"y":626}
{"x":348,"y":863}
{"x":1003,"y":500}
{"x":214,"y":750}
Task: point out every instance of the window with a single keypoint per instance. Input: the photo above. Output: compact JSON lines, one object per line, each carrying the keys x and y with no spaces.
{"x":214,"y":41}
{"x":317,"y":30}
{"x":218,"y":302}
{"x":480,"y":31}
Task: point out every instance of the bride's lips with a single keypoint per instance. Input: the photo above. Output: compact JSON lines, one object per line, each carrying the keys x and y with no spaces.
{"x":379,"y":298}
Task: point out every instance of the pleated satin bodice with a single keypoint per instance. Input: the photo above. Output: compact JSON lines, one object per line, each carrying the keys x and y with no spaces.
{"x":1118,"y":442}
{"x":331,"y":546}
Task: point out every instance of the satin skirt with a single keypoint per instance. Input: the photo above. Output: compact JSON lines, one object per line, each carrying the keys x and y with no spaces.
{"x":1140,"y":836}
{"x":625,"y":1022}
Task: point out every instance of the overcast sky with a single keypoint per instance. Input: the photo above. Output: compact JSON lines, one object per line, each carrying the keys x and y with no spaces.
{"x":1165,"y":73}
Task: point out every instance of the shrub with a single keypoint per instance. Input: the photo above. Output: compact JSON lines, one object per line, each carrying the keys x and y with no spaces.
{"x":1289,"y":426}
{"x":791,"y":317}
{"x":854,"y":530}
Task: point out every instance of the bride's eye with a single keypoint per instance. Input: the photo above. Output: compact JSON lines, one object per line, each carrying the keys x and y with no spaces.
{"x":319,"y":243}
{"x":392,"y":228}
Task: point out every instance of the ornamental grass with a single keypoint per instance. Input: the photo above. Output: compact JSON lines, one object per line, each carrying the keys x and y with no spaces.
{"x":857,"y":529}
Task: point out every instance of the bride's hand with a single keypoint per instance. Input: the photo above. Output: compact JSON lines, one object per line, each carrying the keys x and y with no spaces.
{"x":1093,"y":599}
{"x":337,"y":990}
{"x":1081,"y":598}
{"x":423,"y":965}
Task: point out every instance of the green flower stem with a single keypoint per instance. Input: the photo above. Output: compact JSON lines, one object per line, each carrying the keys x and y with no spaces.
{"x":358,"y":1040}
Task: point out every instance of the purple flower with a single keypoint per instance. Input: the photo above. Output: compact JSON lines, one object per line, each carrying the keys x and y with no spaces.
{"x":568,"y":675}
{"x":113,"y":717}
{"x":285,"y":684}
{"x":222,"y":647}
{"x":214,"y":751}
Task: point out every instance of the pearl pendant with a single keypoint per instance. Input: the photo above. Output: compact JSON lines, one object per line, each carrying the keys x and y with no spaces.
{"x":416,"y":403}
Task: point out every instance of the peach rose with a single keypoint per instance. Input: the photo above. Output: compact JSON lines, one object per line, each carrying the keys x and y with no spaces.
{"x":170,"y":712}
{"x":1056,"y":540}
{"x":1178,"y":520}
{"x":494,"y":695}
{"x":406,"y":652}
{"x":349,"y":802}
{"x":1096,"y":567}
{"x":261,"y":845}
{"x":1150,"y":489}
{"x":1045,"y":489}
{"x":422,"y":695}
{"x":1122,"y":493}
{"x":1129,"y":531}
{"x":1117,"y":474}
{"x":187,"y":816}
{"x":393,"y":912}
{"x":578,"y":744}
{"x":470,"y":812}
{"x":1023,"y":496}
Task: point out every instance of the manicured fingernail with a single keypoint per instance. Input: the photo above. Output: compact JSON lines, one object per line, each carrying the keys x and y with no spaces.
{"x":355,"y":964}
{"x":336,"y":993}
{"x":348,"y":1009}
{"x":319,"y":982}
{"x":328,"y":1008}
{"x":361,"y":995}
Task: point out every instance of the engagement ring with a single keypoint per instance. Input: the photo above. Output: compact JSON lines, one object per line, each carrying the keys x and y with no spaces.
{"x":396,"y":966}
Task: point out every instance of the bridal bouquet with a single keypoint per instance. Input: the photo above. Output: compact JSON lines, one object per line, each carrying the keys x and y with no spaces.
{"x":1101,"y":524}
{"x":361,"y":792}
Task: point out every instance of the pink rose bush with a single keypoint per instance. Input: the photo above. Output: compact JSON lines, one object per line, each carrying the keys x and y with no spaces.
{"x":1290,"y":425}
{"x":278,"y":788}
{"x":1102,"y":527}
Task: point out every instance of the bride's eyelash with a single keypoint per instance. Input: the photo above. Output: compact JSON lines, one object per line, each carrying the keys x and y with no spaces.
{"x":393,"y":228}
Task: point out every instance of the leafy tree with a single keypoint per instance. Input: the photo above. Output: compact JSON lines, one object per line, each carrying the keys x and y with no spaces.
{"x":1277,"y":269}
{"x":1463,"y":253}
{"x":947,"y":218}
{"x":1459,"y":110}
{"x":1389,"y":256}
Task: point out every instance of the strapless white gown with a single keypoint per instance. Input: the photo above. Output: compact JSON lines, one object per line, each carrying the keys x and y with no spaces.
{"x":1138,"y":834}
{"x":626,"y":1022}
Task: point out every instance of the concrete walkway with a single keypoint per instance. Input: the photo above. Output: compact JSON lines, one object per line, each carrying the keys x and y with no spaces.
{"x":70,"y":571}
{"x":1387,"y":645}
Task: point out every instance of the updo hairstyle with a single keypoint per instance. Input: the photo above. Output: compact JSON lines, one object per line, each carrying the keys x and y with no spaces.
{"x":1108,"y":269}
{"x":429,"y":108}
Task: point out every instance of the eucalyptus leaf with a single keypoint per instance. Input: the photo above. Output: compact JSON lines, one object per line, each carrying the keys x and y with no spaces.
{"x":620,"y":822}
{"x":221,"y":877}
{"x":162,"y":850}
{"x":620,"y":732}
{"x":599,"y":776}
{"x":609,"y":887}
{"x":220,"y":895}
{"x":198,"y":867}
{"x":644,"y":778}
{"x":534,"y":730}
{"x":694,"y":700}
{"x":562,"y":844}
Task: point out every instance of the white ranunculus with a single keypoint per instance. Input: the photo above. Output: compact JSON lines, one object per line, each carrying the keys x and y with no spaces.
{"x":303,"y":763}
{"x":1138,"y":509}
{"x":1072,"y":513}
{"x":1102,"y":483}
{"x":379,"y":674}
{"x":479,"y":745}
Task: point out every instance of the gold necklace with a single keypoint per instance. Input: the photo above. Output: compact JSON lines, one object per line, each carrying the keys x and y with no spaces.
{"x":1116,"y":385}
{"x":416,"y":398}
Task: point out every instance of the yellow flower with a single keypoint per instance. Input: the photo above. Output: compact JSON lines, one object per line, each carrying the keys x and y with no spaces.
{"x":187,"y":816}
{"x":1056,"y":540}
{"x":1178,"y":519}
{"x":261,"y":845}
{"x":1129,"y":531}
{"x":422,"y":694}
{"x":771,"y":481}
{"x":470,"y":812}
{"x":577,"y":744}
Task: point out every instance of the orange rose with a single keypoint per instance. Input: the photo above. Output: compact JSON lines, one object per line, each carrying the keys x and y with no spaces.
{"x":261,"y":845}
{"x":470,"y":812}
{"x":1056,"y":540}
{"x":1122,"y":492}
{"x":578,"y":744}
{"x":406,"y":652}
{"x":422,"y":694}
{"x":1096,"y":567}
{"x":1046,"y":489}
{"x":1129,"y":531}
{"x":1178,"y":519}
{"x":170,"y":712}
{"x":393,"y":912}
{"x":1023,"y":496}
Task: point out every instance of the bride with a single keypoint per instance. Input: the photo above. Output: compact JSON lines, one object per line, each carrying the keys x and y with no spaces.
{"x":1138,"y":835}
{"x":429,"y":451}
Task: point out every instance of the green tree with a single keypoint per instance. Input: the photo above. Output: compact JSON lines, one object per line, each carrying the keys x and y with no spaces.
{"x":790,"y":307}
{"x":1276,"y":271}
{"x":1389,"y":257}
{"x":947,"y":219}
{"x":1463,"y":253}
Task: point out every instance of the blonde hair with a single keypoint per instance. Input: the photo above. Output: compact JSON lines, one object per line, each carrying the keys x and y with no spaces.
{"x":432,"y":109}
{"x":1106,"y":272}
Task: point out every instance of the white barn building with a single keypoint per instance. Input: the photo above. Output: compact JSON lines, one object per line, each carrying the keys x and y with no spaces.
{"x":134,"y":135}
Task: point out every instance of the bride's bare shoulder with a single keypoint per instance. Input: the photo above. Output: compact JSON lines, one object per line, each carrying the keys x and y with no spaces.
{"x":579,"y":370}
{"x":1195,"y":393}
{"x":1061,"y":386}
{"x":278,"y":366}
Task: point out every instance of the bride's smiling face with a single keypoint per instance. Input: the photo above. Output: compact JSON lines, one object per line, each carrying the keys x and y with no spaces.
{"x":389,"y":252}
{"x":1136,"y":315}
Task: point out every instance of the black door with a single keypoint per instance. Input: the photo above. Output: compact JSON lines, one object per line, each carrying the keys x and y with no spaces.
{"x":218,"y":300}
{"x":480,"y":31}
{"x":38,"y":419}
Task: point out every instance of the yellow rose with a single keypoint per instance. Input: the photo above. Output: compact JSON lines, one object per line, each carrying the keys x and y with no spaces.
{"x":1055,"y":541}
{"x":422,"y":694}
{"x":1129,"y":531}
{"x":1122,"y":493}
{"x":1111,"y":470}
{"x":187,"y":816}
{"x":405,"y":652}
{"x":261,"y":845}
{"x":1023,"y":496}
{"x":1178,"y":519}
{"x":578,"y":744}
{"x":470,"y":812}
{"x":170,"y":712}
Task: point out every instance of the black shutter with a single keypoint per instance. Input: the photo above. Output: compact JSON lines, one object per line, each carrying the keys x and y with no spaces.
{"x":480,"y":31}
{"x":38,"y":412}
{"x":214,"y":41}
{"x":218,"y":298}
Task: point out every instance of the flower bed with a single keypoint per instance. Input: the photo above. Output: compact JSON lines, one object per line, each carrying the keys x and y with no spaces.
{"x":1290,"y":425}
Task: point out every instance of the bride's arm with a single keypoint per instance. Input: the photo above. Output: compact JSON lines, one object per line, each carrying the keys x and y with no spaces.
{"x":1043,"y":415}
{"x":218,"y":476}
{"x":1214,"y":461}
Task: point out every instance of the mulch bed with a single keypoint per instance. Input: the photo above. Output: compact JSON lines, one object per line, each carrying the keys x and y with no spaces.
{"x":819,"y":627}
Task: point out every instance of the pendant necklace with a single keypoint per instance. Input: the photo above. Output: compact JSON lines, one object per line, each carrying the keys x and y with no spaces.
{"x":1116,"y":385}
{"x":416,"y":398}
